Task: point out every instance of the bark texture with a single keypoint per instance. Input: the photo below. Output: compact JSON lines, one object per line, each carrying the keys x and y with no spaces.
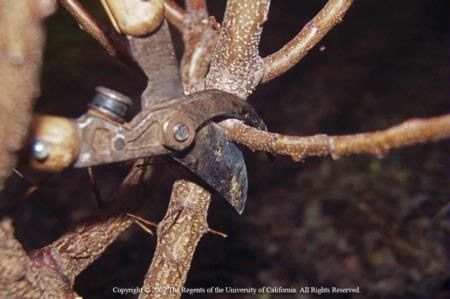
{"x":178,"y":235}
{"x":199,"y":37}
{"x":291,"y":53}
{"x":21,"y":277}
{"x":378,"y":143}
{"x":236,"y":66}
{"x":76,"y":250}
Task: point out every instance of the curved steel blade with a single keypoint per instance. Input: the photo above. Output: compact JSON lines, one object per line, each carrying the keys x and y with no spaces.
{"x":219,"y":163}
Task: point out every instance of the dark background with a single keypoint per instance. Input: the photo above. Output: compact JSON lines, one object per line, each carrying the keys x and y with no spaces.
{"x":380,"y":224}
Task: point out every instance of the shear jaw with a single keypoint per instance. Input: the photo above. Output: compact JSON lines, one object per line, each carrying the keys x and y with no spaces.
{"x":219,"y":163}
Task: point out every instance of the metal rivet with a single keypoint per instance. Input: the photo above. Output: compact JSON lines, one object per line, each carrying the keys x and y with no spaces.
{"x":180,"y":132}
{"x":39,"y":150}
{"x":119,"y":144}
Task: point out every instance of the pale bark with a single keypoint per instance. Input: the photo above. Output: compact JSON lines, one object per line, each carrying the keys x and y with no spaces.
{"x":199,"y":37}
{"x":178,"y":235}
{"x":378,"y":143}
{"x":236,"y":66}
{"x":313,"y":32}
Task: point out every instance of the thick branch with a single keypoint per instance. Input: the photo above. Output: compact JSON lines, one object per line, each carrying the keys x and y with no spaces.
{"x":76,"y":250}
{"x":236,"y":66}
{"x":288,"y":56}
{"x":178,"y":235}
{"x":377,"y":143}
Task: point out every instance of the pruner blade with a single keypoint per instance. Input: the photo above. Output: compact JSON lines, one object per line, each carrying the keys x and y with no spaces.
{"x":213,"y":158}
{"x":219,"y":163}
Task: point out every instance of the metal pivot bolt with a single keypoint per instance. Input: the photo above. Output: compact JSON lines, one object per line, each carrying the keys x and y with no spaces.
{"x":180,"y":132}
{"x":111,"y":103}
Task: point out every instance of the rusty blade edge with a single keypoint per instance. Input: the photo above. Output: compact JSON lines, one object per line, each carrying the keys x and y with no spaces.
{"x":220,"y":164}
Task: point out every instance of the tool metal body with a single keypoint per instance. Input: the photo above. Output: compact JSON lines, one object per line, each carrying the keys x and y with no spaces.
{"x":169,"y":123}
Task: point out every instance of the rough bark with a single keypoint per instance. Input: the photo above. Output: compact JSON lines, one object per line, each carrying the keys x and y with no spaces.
{"x":178,"y":235}
{"x":377,"y":143}
{"x":236,"y":66}
{"x":76,"y":250}
{"x":21,"y":277}
{"x":199,"y":37}
{"x":291,"y":53}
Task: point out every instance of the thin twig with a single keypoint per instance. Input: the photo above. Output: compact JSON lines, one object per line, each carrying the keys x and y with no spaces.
{"x":174,"y":14}
{"x":97,"y":195}
{"x":31,"y":186}
{"x":34,"y":189}
{"x":236,"y":66}
{"x":216,"y":232}
{"x":135,"y":217}
{"x":110,"y":42}
{"x":89,"y":24}
{"x":143,"y":223}
{"x":288,"y":56}
{"x":144,"y":227}
{"x":140,"y":221}
{"x":377,"y":143}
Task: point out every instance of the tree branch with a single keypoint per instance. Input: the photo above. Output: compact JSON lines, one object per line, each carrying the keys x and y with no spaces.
{"x":76,"y":250}
{"x":377,"y":143}
{"x":199,"y":37}
{"x":20,"y":277}
{"x":288,"y":56}
{"x":236,"y":65}
{"x":178,"y":235}
{"x":174,"y":14}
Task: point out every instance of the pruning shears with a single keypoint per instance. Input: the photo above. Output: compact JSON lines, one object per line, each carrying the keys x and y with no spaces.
{"x":169,"y":123}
